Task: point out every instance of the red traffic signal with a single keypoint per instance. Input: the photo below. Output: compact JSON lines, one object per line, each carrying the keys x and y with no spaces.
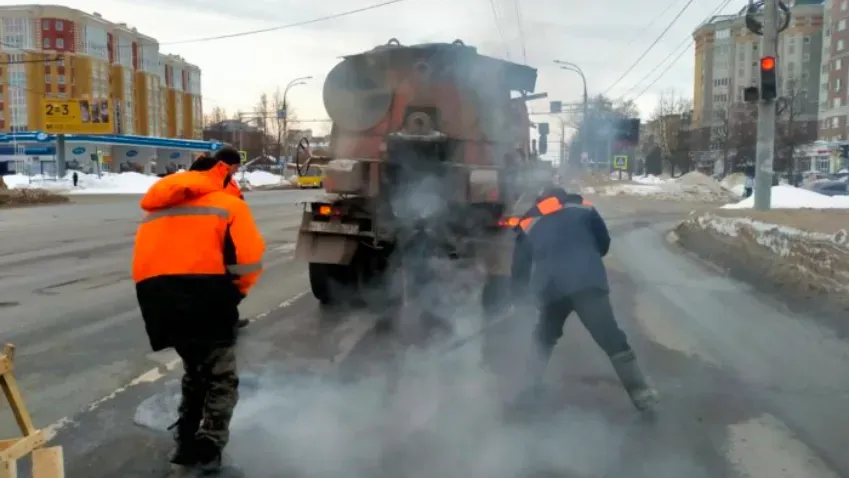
{"x":768,"y":63}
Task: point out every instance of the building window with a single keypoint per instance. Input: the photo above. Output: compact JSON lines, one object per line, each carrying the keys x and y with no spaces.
{"x":837,"y":84}
{"x":806,"y":40}
{"x":841,"y":25}
{"x":45,"y":43}
{"x":838,"y":64}
{"x":805,"y":75}
{"x":806,"y":57}
{"x":61,"y":79}
{"x":836,"y":103}
{"x":45,"y":24}
{"x":839,"y":45}
{"x":60,"y":25}
{"x":47,"y":79}
{"x":60,"y":43}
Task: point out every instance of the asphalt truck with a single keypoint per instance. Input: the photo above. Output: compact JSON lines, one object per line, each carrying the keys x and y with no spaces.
{"x":426,"y":145}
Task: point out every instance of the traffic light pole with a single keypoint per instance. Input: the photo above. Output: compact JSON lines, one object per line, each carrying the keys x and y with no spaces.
{"x":766,"y":117}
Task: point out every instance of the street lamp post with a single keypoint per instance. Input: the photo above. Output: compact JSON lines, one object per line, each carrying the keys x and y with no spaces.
{"x":569,"y":66}
{"x":284,"y":112}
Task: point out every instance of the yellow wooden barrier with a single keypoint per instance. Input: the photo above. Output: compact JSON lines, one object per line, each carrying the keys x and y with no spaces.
{"x":46,"y":462}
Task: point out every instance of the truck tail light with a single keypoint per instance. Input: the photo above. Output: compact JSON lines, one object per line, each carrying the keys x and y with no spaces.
{"x":327,"y":210}
{"x":508,"y":222}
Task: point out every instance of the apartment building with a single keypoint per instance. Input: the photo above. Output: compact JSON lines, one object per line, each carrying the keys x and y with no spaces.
{"x":727,"y":58}
{"x":834,"y":101}
{"x":59,"y":52}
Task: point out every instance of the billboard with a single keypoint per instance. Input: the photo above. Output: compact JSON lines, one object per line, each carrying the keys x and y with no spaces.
{"x":77,"y":116}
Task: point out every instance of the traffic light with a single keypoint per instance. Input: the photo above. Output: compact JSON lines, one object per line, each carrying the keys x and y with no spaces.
{"x":769,"y":87}
{"x":628,"y":130}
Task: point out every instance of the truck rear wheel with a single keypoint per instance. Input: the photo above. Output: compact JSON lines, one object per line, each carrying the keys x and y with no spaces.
{"x":329,"y":282}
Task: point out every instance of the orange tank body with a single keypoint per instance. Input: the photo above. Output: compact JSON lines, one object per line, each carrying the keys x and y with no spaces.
{"x":462,"y":94}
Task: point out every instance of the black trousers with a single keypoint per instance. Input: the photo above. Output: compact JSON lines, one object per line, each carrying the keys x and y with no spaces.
{"x":594,"y":311}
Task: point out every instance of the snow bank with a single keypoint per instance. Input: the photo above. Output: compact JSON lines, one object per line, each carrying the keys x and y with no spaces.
{"x":796,"y":261}
{"x":108,"y":183}
{"x":789,"y":197}
{"x":647,"y":179}
{"x":119,"y":183}
{"x":262,"y":178}
{"x":693,"y":186}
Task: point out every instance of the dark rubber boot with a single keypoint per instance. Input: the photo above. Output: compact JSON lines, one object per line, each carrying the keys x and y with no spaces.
{"x":643,"y":395}
{"x":185,"y":454}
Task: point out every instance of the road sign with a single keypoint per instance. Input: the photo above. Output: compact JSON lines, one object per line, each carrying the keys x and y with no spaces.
{"x":620,"y":163}
{"x":77,"y":116}
{"x":244,"y":156}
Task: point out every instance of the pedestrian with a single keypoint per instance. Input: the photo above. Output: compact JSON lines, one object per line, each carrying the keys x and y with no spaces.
{"x":749,"y":186}
{"x":205,"y":163}
{"x":197,"y":254}
{"x":75,"y":178}
{"x":567,"y":239}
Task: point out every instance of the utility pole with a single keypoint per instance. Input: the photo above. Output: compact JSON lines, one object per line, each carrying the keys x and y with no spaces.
{"x":766,"y":113}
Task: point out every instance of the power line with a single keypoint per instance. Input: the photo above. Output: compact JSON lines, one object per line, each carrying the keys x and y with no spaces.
{"x":290,"y":25}
{"x":521,"y":31}
{"x":655,"y":42}
{"x":687,"y":40}
{"x":664,"y":72}
{"x":500,"y":30}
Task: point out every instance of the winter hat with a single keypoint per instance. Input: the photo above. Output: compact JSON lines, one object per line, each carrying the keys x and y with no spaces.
{"x":228,"y":155}
{"x":203,"y":163}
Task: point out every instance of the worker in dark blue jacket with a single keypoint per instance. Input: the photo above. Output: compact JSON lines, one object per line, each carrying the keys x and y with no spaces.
{"x":567,"y":238}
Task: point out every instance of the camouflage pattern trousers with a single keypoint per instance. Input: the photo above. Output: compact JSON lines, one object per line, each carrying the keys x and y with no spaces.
{"x":210,"y":391}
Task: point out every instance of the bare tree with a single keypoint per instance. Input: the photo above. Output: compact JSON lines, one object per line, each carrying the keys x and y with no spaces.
{"x":733,"y":135}
{"x":670,"y":128}
{"x":792,"y":130}
{"x":261,"y":114}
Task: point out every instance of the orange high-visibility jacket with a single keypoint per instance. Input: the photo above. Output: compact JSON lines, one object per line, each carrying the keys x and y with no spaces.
{"x":197,"y":253}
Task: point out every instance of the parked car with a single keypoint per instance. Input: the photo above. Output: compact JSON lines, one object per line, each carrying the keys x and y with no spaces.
{"x":831,"y":188}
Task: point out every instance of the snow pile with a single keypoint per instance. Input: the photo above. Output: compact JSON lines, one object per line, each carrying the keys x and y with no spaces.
{"x":649,"y":179}
{"x":693,"y":186}
{"x":262,"y":178}
{"x":108,"y":183}
{"x":789,"y":197}
{"x":796,"y":261}
{"x":646,"y":179}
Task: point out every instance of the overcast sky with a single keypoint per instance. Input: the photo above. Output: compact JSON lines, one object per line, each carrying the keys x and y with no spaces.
{"x":604,"y":37}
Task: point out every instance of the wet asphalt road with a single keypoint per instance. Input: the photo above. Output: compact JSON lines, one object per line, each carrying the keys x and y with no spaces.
{"x":749,"y":389}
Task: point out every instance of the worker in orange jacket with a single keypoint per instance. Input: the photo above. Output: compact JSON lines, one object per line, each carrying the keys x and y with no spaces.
{"x":197,"y":254}
{"x":205,"y":163}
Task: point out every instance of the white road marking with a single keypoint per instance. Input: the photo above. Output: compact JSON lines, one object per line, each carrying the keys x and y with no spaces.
{"x":150,"y":376}
{"x":764,"y":447}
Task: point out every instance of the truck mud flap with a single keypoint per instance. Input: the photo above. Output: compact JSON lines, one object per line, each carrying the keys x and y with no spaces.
{"x":323,"y":247}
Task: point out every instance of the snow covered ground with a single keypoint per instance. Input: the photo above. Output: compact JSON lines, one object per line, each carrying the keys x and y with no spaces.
{"x":801,"y":244}
{"x":119,"y":183}
{"x":693,"y":186}
{"x":798,"y":261}
{"x":788,"y":197}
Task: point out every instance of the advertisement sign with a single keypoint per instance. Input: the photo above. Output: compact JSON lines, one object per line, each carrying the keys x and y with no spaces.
{"x":78,"y":150}
{"x":77,"y":116}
